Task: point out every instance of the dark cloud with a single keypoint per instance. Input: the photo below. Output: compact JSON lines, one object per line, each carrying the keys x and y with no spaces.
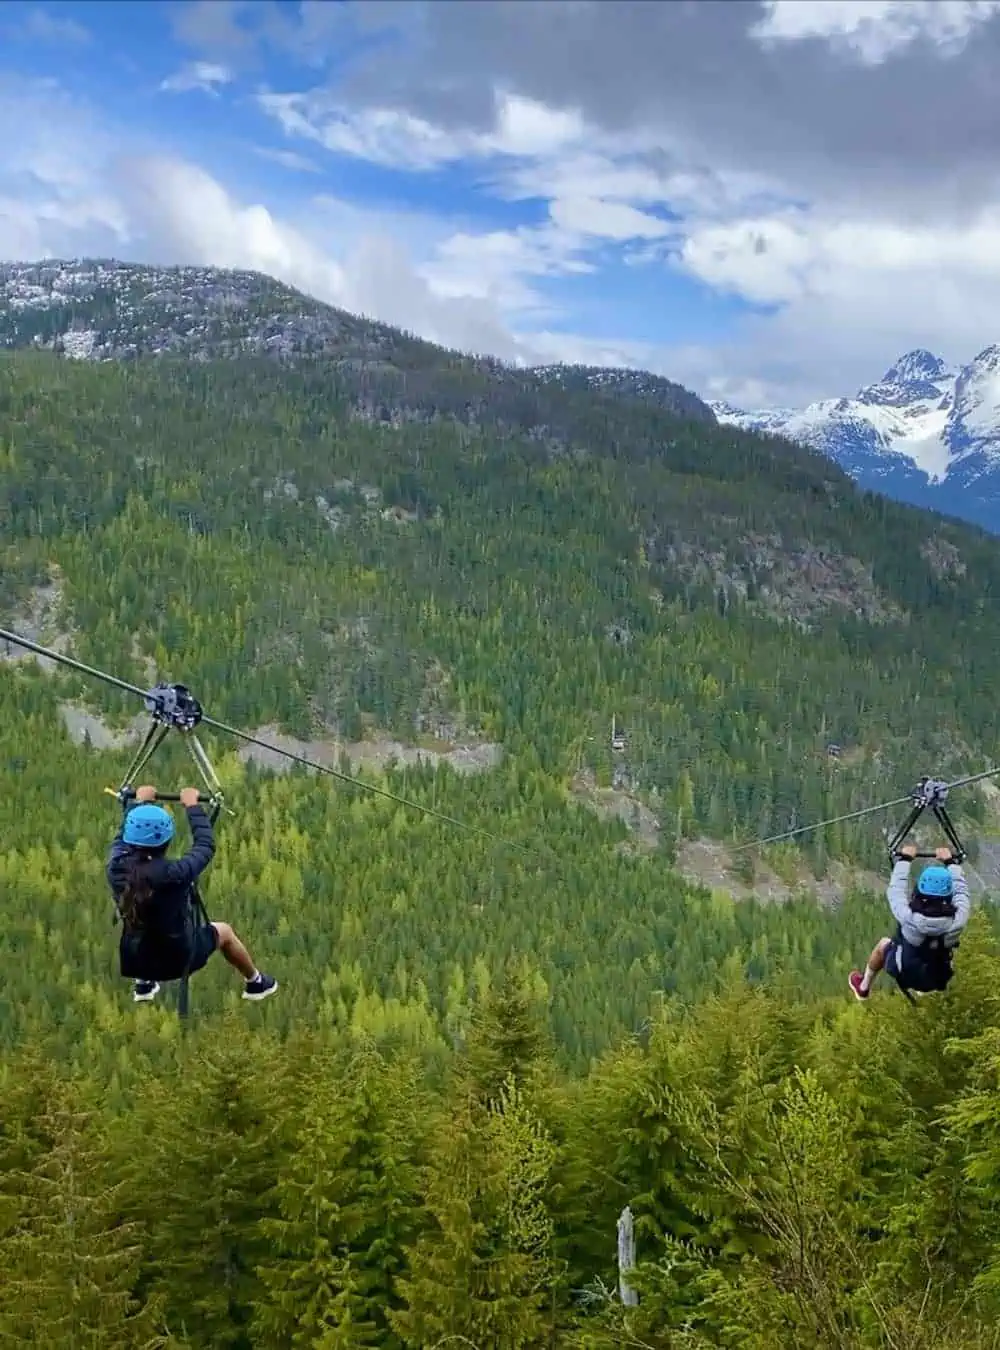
{"x":923,"y":124}
{"x":890,"y":160}
{"x":313,"y":32}
{"x":806,"y":112}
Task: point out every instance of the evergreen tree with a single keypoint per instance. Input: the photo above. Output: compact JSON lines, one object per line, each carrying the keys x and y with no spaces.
{"x":70,"y":1266}
{"x":506,"y":1039}
{"x":484,"y":1270}
{"x":199,"y":1160}
{"x":347,"y":1204}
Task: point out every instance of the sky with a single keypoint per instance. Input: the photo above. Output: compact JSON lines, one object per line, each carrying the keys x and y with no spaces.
{"x":766,"y":201}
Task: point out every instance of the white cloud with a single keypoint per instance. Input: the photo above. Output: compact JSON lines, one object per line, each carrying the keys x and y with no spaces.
{"x":525,"y":127}
{"x":540,"y":150}
{"x":787,"y":258}
{"x":577,"y":171}
{"x":606,"y":219}
{"x":378,"y":135}
{"x":397,"y":139}
{"x":54,"y":197}
{"x":288,"y":159}
{"x":498,"y":266}
{"x":763,"y":261}
{"x":851,"y":288}
{"x":39,"y":25}
{"x":206,"y":77}
{"x":187,"y":211}
{"x":625,"y":170}
{"x":874,"y":30}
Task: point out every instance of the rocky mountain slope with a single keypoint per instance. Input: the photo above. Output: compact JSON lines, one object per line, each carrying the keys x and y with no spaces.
{"x":95,"y":309}
{"x":616,"y":382}
{"x":924,"y":433}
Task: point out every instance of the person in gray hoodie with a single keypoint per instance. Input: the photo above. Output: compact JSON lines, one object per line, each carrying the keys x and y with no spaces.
{"x":930,"y":920}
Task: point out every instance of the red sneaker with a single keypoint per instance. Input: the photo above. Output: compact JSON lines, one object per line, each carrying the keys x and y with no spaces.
{"x":854,"y":980}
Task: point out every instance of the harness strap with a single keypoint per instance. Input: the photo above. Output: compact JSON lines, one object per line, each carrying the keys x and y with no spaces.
{"x":196,"y":906}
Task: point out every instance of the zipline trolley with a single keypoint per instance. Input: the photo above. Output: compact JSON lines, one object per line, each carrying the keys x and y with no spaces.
{"x":929,"y":794}
{"x":173,"y":708}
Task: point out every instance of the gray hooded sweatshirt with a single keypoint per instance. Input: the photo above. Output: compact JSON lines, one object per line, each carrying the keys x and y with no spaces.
{"x":917,"y":927}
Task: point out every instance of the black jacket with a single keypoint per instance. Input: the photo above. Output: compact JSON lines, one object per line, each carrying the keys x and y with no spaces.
{"x":165,"y":938}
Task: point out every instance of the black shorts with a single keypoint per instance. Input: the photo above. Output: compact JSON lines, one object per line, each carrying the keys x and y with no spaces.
{"x":206,"y":940}
{"x":161,"y":961}
{"x":904,"y":965}
{"x":892,"y":960}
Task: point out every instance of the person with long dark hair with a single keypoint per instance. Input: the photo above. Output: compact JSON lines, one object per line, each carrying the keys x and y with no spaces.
{"x":165,"y":931}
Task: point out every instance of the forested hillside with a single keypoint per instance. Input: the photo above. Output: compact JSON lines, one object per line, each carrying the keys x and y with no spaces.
{"x":240,"y":526}
{"x":491,"y":569}
{"x":798,"y":1175}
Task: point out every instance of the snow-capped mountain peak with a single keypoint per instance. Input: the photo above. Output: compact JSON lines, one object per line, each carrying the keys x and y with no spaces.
{"x":925,"y":432}
{"x":920,"y":364}
{"x":919,"y":376}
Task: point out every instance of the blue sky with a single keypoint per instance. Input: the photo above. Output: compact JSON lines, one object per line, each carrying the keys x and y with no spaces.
{"x":516,"y":179}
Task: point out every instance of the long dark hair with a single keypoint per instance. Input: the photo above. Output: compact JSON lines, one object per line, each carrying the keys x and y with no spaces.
{"x":932,"y":906}
{"x":137,"y":890}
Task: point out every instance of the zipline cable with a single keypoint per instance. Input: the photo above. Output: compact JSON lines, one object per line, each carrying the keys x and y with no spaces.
{"x":247,"y":737}
{"x":865,"y":811}
{"x":821,"y":824}
{"x":250,"y":739}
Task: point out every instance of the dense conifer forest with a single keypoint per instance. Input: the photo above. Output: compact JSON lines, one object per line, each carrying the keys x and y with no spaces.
{"x":480,"y":1054}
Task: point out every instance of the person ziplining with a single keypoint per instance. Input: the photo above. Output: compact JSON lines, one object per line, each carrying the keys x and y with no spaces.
{"x":930,"y":917}
{"x":930,"y":920}
{"x":166,"y":934}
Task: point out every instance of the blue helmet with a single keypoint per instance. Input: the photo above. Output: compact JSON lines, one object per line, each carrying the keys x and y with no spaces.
{"x":936,"y":881}
{"x":148,"y":826}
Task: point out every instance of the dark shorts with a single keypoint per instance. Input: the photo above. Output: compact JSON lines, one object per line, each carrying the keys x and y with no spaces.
{"x":162,"y":961}
{"x":904,"y":965}
{"x":892,"y":960}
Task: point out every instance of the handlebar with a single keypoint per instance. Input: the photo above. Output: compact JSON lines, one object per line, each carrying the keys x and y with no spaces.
{"x":906,"y":857}
{"x":128,"y":794}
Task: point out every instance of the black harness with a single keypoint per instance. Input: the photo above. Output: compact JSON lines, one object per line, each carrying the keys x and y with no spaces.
{"x":927,"y":968}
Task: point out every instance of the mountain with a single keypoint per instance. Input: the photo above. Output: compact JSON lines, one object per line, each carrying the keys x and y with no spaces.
{"x":925,"y":433}
{"x":582,"y":639}
{"x":94,"y":309}
{"x":616,"y":382}
{"x":97,"y":309}
{"x":452,"y":543}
